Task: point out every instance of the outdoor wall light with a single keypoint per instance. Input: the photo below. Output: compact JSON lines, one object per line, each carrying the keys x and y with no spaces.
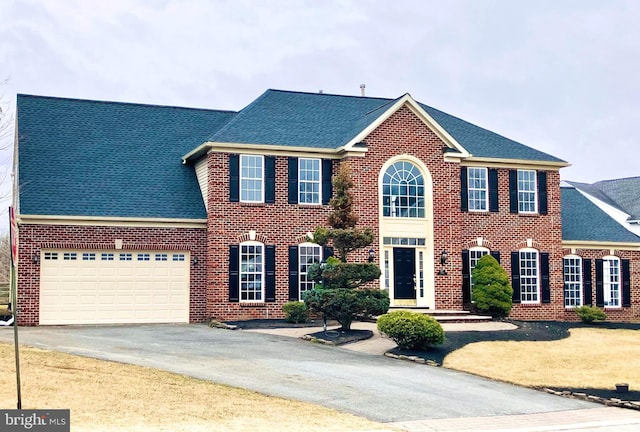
{"x":372,"y":255}
{"x":443,"y":257}
{"x":36,"y":258}
{"x":195,"y":261}
{"x":443,"y":262}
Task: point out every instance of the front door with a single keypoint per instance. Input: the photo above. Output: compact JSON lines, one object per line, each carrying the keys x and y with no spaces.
{"x":404,"y":273}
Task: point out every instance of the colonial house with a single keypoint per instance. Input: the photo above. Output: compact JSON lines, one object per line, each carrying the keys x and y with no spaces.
{"x":134,"y":213}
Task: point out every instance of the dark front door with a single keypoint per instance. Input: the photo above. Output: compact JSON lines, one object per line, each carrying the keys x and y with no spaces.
{"x":404,"y":268}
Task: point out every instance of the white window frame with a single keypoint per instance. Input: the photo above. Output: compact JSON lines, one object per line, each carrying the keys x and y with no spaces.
{"x":475,"y":253}
{"x":399,"y":177}
{"x":251,"y":272}
{"x":246,"y":193}
{"x":529,"y":275}
{"x":573,"y":280}
{"x":304,"y":284}
{"x":527,"y":192}
{"x":477,"y":189}
{"x":304,"y":182}
{"x":612,"y":281}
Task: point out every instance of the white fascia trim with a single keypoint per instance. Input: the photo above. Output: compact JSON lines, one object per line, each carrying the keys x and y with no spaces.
{"x":584,"y":244}
{"x":272,"y":150}
{"x":422,"y":114}
{"x":111,"y":221}
{"x":514,"y":163}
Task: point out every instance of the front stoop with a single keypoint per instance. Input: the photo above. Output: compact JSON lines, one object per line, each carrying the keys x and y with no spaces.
{"x":447,"y":316}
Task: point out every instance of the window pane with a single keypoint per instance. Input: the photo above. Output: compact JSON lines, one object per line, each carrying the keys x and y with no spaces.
{"x":572,"y":281}
{"x":403,"y":191}
{"x":251,"y":178}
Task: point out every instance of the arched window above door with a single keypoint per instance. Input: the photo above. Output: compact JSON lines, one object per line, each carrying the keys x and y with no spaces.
{"x":403,"y":191}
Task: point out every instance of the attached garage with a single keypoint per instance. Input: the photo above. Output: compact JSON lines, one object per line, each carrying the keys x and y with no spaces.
{"x":113,"y":286}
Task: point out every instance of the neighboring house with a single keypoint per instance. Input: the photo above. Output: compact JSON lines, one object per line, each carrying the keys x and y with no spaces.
{"x":137,"y":213}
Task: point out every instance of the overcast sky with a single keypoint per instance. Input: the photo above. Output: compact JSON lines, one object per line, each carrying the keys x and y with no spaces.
{"x":560,"y":76}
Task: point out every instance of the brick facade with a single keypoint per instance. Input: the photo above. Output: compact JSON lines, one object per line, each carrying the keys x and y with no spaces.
{"x":282,"y":224}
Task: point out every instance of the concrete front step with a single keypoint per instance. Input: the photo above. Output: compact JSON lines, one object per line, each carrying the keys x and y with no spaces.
{"x":447,"y":316}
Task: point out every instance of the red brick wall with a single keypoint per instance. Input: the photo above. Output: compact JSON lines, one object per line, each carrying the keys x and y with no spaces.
{"x":508,"y":232}
{"x":613,"y":314}
{"x":403,"y":133}
{"x":33,"y":238}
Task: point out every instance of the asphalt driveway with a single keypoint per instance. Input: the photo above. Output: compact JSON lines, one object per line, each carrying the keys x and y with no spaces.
{"x":375,"y":387}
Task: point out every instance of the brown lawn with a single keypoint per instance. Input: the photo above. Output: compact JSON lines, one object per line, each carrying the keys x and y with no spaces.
{"x":589,"y":358}
{"x":106,"y":396}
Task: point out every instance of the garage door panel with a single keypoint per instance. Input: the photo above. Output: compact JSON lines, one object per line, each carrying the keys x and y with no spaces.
{"x":105,"y":287}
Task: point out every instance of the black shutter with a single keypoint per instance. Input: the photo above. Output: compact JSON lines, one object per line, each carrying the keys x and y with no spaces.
{"x":234,"y":278}
{"x":599,"y":283}
{"x":542,"y":192}
{"x":515,"y":276}
{"x":466,"y":277}
{"x":587,"y":285}
{"x":234,"y":177}
{"x":496,"y":255}
{"x":464,"y":192}
{"x":493,"y":190}
{"x":545,"y":286}
{"x":294,"y":281}
{"x":270,"y":282}
{"x":327,"y":252}
{"x":293,"y":180}
{"x":270,"y":179}
{"x":327,"y":187}
{"x":626,"y":283}
{"x":513,"y":191}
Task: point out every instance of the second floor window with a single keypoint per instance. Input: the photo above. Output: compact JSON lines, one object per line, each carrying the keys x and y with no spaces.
{"x":251,"y":178}
{"x":309,"y":181}
{"x":403,"y":191}
{"x":477,"y":189}
{"x":527,"y":199}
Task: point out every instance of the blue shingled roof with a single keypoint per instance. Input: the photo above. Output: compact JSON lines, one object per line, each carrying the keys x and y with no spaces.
{"x":301,"y":119}
{"x":623,"y":194}
{"x":481,"y":142}
{"x":89,"y":158}
{"x":582,"y":220}
{"x":330,"y":121}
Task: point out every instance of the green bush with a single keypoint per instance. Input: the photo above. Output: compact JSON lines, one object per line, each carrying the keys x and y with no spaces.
{"x":295,"y":312}
{"x":492,"y":292}
{"x":411,"y":330}
{"x":589,"y":314}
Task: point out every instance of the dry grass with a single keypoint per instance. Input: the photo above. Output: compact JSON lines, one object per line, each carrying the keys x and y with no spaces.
{"x":589,"y":358}
{"x":105,"y":396}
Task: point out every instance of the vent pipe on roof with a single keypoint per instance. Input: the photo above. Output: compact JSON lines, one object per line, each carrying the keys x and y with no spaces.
{"x":320,"y":91}
{"x":362,"y":87}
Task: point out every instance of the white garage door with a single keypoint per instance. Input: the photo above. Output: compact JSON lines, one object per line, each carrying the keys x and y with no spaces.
{"x":114,"y":287}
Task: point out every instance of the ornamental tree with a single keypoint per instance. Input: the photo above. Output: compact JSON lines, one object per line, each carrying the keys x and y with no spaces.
{"x":336,"y":294}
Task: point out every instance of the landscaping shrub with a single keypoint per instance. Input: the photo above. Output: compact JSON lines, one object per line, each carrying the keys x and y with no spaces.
{"x":492,"y":292}
{"x":589,"y":314}
{"x":411,"y":330}
{"x":345,"y":304}
{"x":295,"y":312}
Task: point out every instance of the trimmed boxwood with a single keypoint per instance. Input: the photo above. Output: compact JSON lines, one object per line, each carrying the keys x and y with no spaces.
{"x":295,"y":312}
{"x":411,"y":330}
{"x":589,"y":314}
